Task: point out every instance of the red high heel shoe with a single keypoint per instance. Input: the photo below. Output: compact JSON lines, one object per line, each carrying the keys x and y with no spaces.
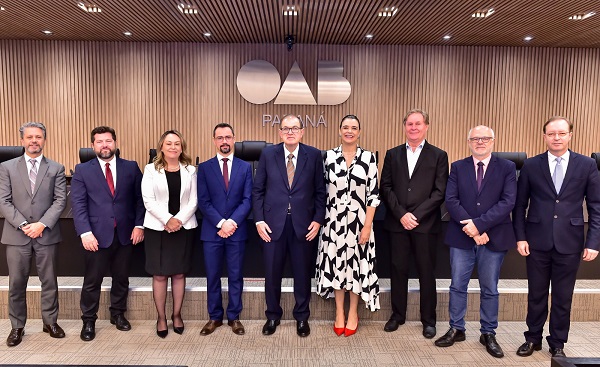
{"x":339,"y":330}
{"x":350,"y":332}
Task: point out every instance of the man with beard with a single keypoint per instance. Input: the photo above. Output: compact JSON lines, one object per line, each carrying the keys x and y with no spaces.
{"x":108,"y":212}
{"x":224,"y":191}
{"x":33,"y":194}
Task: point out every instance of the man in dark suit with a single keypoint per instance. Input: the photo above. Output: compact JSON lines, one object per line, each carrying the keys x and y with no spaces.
{"x":554,"y":184}
{"x":413,"y":183}
{"x":480,"y":195}
{"x":224,"y":198}
{"x":108,"y":212}
{"x":289,"y":208}
{"x":33,"y":194}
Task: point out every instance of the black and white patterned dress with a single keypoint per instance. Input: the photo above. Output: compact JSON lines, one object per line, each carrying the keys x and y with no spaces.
{"x":341,"y":262}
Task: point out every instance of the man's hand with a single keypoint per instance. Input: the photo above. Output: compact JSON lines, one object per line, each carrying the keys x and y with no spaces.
{"x":173,"y":225}
{"x":481,"y":239}
{"x":222,"y":234}
{"x":33,"y":230}
{"x":365,"y":234}
{"x":409,"y":221}
{"x":469,"y":228}
{"x":589,"y":254}
{"x":228,"y":228}
{"x":263,"y":231}
{"x":523,"y":248}
{"x":313,"y":231}
{"x":137,"y":236}
{"x":90,"y":242}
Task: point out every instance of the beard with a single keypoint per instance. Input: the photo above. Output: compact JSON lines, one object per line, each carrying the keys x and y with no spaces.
{"x":104,"y":154}
{"x":225,"y":148}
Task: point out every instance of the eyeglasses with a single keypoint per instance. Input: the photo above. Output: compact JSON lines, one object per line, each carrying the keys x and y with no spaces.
{"x":561,"y":135}
{"x":287,"y":130}
{"x":485,"y":139}
{"x":224,"y":138}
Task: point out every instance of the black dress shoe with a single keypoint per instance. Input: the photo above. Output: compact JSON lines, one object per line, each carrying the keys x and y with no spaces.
{"x":270,"y":327}
{"x":88,"y":331}
{"x":162,"y":333}
{"x":557,"y":352}
{"x":452,"y":335}
{"x":392,"y":325}
{"x":178,"y":329}
{"x":526,"y":349}
{"x":429,"y":332}
{"x":120,"y":322}
{"x":15,"y":336}
{"x":491,"y":345}
{"x":302,"y":328}
{"x":54,"y":330}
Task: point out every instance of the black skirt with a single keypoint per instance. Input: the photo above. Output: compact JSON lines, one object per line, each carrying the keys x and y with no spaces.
{"x":168,"y":253}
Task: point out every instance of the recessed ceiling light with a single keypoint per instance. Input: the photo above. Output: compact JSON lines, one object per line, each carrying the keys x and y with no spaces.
{"x":527,"y":38}
{"x":127,"y":33}
{"x":90,"y":8}
{"x":447,"y":37}
{"x":290,"y":10}
{"x":369,"y":36}
{"x":207,"y":34}
{"x":187,"y":8}
{"x":387,"y":11}
{"x":483,"y":13}
{"x":47,"y":33}
{"x":582,"y":16}
{"x":2,"y":8}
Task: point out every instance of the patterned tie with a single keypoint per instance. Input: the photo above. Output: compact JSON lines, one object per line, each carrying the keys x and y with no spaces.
{"x":32,"y":174}
{"x":290,"y":169}
{"x":558,"y":175}
{"x":109,"y":179}
{"x":479,"y":175}
{"x":226,"y":173}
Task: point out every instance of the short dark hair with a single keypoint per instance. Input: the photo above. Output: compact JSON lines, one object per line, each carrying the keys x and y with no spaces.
{"x":38,"y":125}
{"x":102,"y":130}
{"x":222,"y":125}
{"x":350,"y":117}
{"x":556,"y":118}
{"x":416,"y":110}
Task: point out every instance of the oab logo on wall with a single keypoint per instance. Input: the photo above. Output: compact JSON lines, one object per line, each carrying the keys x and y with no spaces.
{"x":259,"y":82}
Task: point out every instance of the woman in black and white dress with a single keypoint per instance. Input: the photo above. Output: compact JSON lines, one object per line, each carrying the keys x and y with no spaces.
{"x":346,"y":255}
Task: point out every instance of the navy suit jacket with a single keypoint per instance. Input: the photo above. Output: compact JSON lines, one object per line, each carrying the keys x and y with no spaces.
{"x":95,"y":209}
{"x":489,"y":208}
{"x":555,"y":220}
{"x":272,"y":193}
{"x":216,"y":203}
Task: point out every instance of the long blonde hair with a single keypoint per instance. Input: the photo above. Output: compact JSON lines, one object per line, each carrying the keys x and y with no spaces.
{"x":159,"y":160}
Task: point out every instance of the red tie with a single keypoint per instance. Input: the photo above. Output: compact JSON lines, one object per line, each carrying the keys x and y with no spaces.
{"x":225,"y":173}
{"x":109,"y":179}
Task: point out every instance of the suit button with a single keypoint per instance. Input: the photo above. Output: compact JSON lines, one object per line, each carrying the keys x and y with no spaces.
{"x":557,"y":201}
{"x":555,"y":216}
{"x":409,"y":189}
{"x":478,"y":204}
{"x":290,"y":196}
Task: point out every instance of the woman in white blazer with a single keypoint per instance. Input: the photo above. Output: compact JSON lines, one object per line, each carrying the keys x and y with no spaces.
{"x":170,"y":198}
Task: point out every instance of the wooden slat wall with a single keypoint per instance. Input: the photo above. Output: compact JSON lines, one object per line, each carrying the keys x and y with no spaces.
{"x":142,"y":89}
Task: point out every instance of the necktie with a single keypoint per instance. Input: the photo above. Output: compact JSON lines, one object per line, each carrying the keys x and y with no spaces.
{"x":109,"y":179}
{"x":558,"y":175}
{"x":226,"y":173}
{"x":479,"y":175}
{"x":32,"y":174}
{"x":290,"y":169}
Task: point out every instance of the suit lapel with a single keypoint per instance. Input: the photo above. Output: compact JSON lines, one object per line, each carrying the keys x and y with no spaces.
{"x":421,"y":157}
{"x":471,"y":177}
{"x":235,"y":169}
{"x":97,"y":171}
{"x":216,"y":168}
{"x":571,"y":169}
{"x":280,"y":162}
{"x":185,"y":177}
{"x":403,"y":164}
{"x":489,"y":172}
{"x":300,"y":163}
{"x":40,"y":175}
{"x":22,"y":167}
{"x":545,"y":169}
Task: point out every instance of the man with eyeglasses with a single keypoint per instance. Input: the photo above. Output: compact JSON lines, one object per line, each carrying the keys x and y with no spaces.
{"x":480,"y":195}
{"x":288,"y":200}
{"x":551,"y":236}
{"x":224,"y":190}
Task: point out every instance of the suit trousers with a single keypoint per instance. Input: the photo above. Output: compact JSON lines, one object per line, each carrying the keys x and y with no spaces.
{"x":303,"y":268}
{"x":19,"y":263}
{"x":423,"y":249}
{"x":117,"y":258}
{"x":215,"y":253}
{"x":545,"y":268}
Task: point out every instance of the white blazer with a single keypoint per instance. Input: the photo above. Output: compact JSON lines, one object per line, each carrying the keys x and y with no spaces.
{"x":155,"y":192}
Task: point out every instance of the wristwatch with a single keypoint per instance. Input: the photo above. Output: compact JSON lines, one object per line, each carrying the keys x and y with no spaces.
{"x":22,"y":225}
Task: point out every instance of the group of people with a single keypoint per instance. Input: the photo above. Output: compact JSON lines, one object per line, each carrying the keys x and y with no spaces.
{"x":298,"y":198}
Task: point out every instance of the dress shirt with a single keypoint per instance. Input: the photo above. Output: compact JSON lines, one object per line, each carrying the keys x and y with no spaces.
{"x":485,"y":162}
{"x":552,"y":162}
{"x":229,"y":165}
{"x":38,"y":161}
{"x":113,"y":168}
{"x":413,"y":157}
{"x":287,"y":153}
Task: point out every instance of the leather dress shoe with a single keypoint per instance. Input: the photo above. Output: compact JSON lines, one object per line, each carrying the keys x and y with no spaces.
{"x":178,"y":329}
{"x":162,"y":333}
{"x":452,"y":335}
{"x":210,"y":326}
{"x":54,"y":330}
{"x":270,"y":327}
{"x":429,"y":332}
{"x":236,"y":327}
{"x":88,"y":331}
{"x":302,"y":328}
{"x":15,"y":336}
{"x":526,"y":349}
{"x":557,"y":352}
{"x":392,"y":325}
{"x":491,"y":345}
{"x":120,"y":322}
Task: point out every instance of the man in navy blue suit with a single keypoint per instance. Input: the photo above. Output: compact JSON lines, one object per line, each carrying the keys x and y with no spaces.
{"x":480,"y":195}
{"x":551,"y":236}
{"x":288,"y":200}
{"x":108,"y":212}
{"x":224,"y":198}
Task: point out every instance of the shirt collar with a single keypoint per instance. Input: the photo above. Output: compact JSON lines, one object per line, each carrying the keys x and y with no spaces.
{"x":221,"y":156}
{"x":420,"y":146}
{"x":486,"y":161}
{"x":38,"y":159}
{"x":112,"y":162}
{"x":565,"y":157}
{"x":287,"y":152}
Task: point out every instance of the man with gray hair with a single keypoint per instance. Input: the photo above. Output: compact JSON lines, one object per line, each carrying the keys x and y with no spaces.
{"x":33,"y":194}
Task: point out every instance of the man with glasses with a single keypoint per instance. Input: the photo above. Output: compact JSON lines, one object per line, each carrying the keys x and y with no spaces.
{"x":289,"y":208}
{"x":480,"y":195}
{"x":553,"y":185}
{"x":224,"y":198}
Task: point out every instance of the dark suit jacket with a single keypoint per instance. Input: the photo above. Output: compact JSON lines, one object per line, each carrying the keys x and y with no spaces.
{"x":422,"y":194}
{"x":271,"y":193}
{"x":95,"y":209}
{"x":556,"y":220}
{"x":19,"y":204}
{"x":216,"y":203}
{"x":490,"y":208}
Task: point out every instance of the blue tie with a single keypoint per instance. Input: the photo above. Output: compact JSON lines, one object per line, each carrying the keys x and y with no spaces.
{"x":558,"y":175}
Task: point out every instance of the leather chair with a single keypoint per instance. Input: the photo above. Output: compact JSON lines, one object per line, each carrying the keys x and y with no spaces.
{"x":596,"y":157}
{"x":250,"y":151}
{"x":517,"y":157}
{"x":9,"y":152}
